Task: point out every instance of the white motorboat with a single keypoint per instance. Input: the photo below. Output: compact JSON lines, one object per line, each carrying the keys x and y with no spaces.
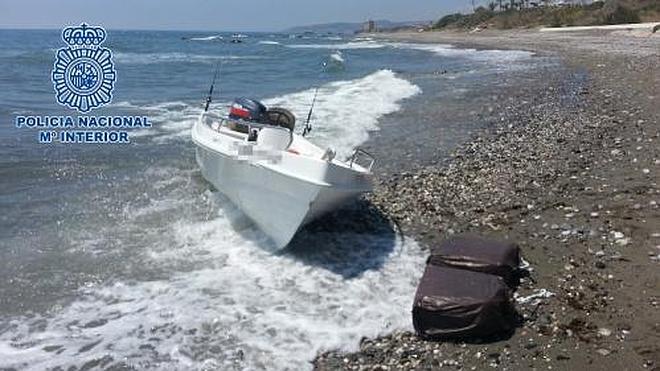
{"x":276,"y":177}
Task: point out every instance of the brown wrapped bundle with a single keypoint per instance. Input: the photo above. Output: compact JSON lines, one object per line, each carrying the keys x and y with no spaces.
{"x":455,"y":303}
{"x":479,"y":255}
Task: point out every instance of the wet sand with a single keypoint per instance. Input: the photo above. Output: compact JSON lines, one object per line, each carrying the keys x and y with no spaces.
{"x":568,"y":167}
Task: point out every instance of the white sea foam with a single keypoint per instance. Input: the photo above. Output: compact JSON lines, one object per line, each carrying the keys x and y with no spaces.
{"x":206,"y":38}
{"x":499,"y":57}
{"x":344,"y":113}
{"x":225,"y":301}
{"x":269,"y":42}
{"x":170,"y":120}
{"x":239,"y":307}
{"x":337,"y":56}
{"x":175,"y":57}
{"x":340,"y":46}
{"x":496,"y":56}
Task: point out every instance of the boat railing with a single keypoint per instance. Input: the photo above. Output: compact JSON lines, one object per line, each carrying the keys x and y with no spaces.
{"x":232,"y":124}
{"x":356,"y":158}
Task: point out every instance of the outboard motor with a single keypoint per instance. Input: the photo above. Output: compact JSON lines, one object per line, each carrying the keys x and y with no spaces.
{"x":248,"y":110}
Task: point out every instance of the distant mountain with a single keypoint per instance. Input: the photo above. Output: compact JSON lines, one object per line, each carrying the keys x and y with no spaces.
{"x":349,"y":27}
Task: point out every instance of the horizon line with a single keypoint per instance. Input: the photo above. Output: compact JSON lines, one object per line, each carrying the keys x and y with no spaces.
{"x":52,"y":28}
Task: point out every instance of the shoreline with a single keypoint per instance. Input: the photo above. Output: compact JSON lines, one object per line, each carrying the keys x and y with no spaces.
{"x":571,"y":176}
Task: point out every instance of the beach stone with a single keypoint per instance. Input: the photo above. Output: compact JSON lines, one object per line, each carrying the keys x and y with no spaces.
{"x":603,"y":352}
{"x":561,"y":152}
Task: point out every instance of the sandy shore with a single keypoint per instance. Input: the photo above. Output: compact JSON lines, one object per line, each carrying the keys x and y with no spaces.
{"x":570,"y":173}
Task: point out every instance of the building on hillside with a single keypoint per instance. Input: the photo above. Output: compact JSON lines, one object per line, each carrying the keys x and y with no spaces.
{"x":369,"y":26}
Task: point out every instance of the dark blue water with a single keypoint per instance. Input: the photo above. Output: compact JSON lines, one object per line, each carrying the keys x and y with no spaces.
{"x":124,"y":255}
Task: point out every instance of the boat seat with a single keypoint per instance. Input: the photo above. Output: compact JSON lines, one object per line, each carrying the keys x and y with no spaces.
{"x":275,"y":138}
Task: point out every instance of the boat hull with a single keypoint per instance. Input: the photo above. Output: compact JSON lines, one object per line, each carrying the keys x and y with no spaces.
{"x":278,"y":203}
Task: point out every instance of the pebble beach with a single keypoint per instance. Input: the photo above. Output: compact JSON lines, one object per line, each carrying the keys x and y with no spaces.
{"x":567,"y":167}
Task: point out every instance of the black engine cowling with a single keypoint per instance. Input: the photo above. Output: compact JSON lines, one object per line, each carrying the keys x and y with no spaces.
{"x":247,"y":109}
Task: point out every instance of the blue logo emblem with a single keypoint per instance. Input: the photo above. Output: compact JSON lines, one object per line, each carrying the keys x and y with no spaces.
{"x":83,"y":74}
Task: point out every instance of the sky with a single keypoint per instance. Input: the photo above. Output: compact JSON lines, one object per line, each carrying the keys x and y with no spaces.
{"x":216,"y":15}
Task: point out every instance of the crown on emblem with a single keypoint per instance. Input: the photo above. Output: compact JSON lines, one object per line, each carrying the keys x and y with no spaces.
{"x":83,"y":35}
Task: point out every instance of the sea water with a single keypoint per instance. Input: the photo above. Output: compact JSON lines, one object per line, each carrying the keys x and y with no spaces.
{"x":124,"y":255}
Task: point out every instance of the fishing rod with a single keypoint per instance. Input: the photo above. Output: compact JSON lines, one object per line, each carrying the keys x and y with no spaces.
{"x":209,"y":98}
{"x":308,"y":126}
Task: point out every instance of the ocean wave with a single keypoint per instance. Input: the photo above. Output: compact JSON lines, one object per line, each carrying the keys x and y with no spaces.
{"x":176,"y":57}
{"x":340,"y":46}
{"x":205,"y":38}
{"x":225,"y":302}
{"x":269,"y":42}
{"x":248,"y":310}
{"x":346,"y":111}
{"x":337,"y":56}
{"x":170,"y":120}
{"x":334,"y":62}
{"x":344,"y":114}
{"x":447,"y":50}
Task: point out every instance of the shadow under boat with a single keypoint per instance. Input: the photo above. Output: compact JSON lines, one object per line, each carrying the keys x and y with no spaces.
{"x":349,"y":241}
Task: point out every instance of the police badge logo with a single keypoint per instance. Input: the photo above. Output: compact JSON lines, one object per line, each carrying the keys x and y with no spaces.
{"x":83,"y":73}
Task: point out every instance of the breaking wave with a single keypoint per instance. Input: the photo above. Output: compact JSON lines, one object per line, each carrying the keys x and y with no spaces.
{"x":337,"y":56}
{"x":349,"y":45}
{"x":447,"y":50}
{"x":206,"y":38}
{"x":344,"y":113}
{"x":223,"y":300}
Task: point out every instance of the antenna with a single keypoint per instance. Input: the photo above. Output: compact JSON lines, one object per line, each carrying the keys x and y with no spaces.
{"x":209,"y":98}
{"x":308,"y":126}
